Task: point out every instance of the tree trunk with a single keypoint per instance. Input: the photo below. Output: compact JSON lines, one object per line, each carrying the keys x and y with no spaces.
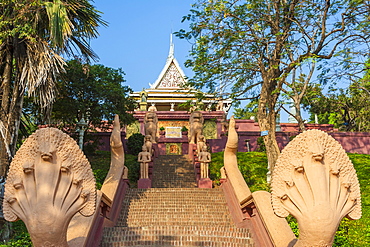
{"x":267,"y":121}
{"x":5,"y":152}
{"x":298,"y":116}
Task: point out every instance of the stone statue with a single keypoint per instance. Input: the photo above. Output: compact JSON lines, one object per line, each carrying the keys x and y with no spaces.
{"x":148,"y":144}
{"x":224,"y":123}
{"x":143,"y":97}
{"x":204,"y":158}
{"x":196,"y":126}
{"x":200,"y":143}
{"x":49,"y":181}
{"x":152,"y":107}
{"x":150,"y":125}
{"x":315,"y":181}
{"x":144,"y":158}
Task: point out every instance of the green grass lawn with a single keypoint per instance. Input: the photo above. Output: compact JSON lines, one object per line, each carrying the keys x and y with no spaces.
{"x":253,"y":166}
{"x":100,"y":162}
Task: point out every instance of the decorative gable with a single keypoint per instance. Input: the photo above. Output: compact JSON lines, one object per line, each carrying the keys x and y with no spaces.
{"x":172,"y":78}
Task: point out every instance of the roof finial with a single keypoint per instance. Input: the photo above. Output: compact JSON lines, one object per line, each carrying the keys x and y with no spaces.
{"x":172,"y":47}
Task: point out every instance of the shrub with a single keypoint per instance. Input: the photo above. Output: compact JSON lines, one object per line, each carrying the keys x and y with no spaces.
{"x":100,"y":164}
{"x":135,"y":143}
{"x":261,"y":145}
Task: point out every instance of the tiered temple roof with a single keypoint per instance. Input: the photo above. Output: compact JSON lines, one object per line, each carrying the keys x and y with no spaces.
{"x":169,"y":92}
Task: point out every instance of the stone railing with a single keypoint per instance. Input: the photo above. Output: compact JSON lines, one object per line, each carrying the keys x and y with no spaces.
{"x":313,"y":180}
{"x":251,"y":210}
{"x":87,"y":231}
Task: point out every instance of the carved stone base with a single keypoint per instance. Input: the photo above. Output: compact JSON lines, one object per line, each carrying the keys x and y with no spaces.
{"x":144,"y":183}
{"x":205,"y":183}
{"x":192,"y":149}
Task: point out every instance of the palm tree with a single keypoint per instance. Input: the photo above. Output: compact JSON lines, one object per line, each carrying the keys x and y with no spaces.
{"x":34,"y":37}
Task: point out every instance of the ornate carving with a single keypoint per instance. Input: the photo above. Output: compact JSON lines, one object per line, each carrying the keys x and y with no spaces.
{"x":196,"y":126}
{"x":315,"y":181}
{"x":172,"y":78}
{"x":150,"y":125}
{"x":49,"y":181}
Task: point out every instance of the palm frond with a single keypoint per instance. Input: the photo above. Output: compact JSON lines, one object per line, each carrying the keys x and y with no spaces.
{"x":60,"y":26}
{"x":40,"y":69}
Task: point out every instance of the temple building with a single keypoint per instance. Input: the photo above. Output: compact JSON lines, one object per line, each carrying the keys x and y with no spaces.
{"x":173,"y":102}
{"x":168,"y":92}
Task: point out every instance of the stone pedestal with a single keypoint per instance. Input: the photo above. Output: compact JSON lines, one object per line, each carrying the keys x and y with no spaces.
{"x":143,"y":106}
{"x":205,"y":183}
{"x":144,"y":183}
{"x":192,"y":149}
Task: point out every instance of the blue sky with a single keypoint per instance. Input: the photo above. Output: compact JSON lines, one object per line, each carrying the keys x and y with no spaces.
{"x":138,"y":36}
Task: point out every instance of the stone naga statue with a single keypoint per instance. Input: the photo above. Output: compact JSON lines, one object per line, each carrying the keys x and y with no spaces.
{"x":49,"y":181}
{"x":196,"y":126}
{"x":315,"y":181}
{"x":150,"y":125}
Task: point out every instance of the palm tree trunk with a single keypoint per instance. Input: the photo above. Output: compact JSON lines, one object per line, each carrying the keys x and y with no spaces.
{"x":5,"y":152}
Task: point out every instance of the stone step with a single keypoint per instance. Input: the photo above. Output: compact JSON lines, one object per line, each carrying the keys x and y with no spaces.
{"x":177,"y":236}
{"x":175,"y":213}
{"x":171,"y":173}
{"x":166,"y":206}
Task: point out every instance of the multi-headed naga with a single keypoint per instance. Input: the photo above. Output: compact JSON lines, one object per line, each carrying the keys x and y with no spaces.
{"x":49,"y":181}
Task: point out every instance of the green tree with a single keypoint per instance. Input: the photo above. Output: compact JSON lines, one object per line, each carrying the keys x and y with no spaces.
{"x":250,"y":48}
{"x":347,"y":109}
{"x":248,"y":111}
{"x":95,"y":89}
{"x":34,"y":34}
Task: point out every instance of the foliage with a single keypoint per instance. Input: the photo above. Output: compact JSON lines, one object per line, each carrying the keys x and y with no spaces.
{"x":93,"y":90}
{"x":248,"y":111}
{"x":184,"y":129}
{"x":135,"y":143}
{"x":261,"y":144}
{"x":100,"y":164}
{"x":34,"y":34}
{"x":253,"y":166}
{"x":249,"y":49}
{"x":359,"y":230}
{"x":161,"y":128}
{"x":20,"y":238}
{"x":346,"y":108}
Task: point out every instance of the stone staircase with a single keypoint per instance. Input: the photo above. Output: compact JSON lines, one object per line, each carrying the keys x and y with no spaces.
{"x":178,"y":215}
{"x":173,"y":171}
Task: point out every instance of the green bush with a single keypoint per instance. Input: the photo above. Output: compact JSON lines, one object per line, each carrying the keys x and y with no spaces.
{"x":20,"y":236}
{"x":133,"y":169}
{"x":261,"y":145}
{"x":135,"y":143}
